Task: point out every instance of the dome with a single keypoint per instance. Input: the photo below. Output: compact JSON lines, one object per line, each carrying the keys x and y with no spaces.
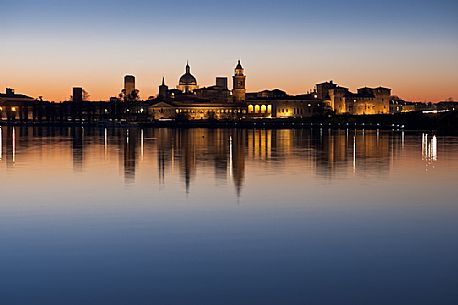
{"x":188,"y":78}
{"x":239,"y":69}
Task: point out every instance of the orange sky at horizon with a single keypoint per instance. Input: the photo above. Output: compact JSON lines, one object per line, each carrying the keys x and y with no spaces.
{"x":52,"y":71}
{"x":60,"y":89}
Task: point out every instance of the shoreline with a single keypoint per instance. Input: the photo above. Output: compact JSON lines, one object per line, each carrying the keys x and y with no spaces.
{"x":442,"y":123}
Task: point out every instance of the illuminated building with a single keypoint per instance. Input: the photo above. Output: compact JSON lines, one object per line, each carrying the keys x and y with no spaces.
{"x":188,"y":82}
{"x":16,"y":106}
{"x":365,"y":101}
{"x":192,"y":108}
{"x":188,"y":102}
{"x":323,"y":89}
{"x":239,"y":86}
{"x":277,"y":104}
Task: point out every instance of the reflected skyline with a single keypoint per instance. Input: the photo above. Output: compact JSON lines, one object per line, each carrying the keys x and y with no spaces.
{"x":191,"y":153}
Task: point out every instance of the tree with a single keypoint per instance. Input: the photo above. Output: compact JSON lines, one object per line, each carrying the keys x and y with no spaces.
{"x":86,"y":96}
{"x":132,"y":97}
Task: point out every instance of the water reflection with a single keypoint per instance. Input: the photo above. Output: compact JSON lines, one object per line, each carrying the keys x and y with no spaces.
{"x":321,"y":152}
{"x":166,"y":216}
{"x":429,"y":150}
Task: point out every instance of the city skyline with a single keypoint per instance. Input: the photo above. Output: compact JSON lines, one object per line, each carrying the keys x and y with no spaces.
{"x":51,"y":46}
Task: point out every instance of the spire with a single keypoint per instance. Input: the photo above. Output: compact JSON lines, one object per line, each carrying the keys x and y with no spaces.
{"x":239,"y":66}
{"x":188,"y":68}
{"x":163,"y":81}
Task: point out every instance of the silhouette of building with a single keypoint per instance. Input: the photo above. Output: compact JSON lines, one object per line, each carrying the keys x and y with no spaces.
{"x":15,"y":106}
{"x":77,"y":96}
{"x":218,"y":93}
{"x":129,"y":84}
{"x":163,"y":90}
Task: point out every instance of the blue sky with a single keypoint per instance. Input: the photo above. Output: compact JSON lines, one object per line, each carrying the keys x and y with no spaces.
{"x":410,"y":46}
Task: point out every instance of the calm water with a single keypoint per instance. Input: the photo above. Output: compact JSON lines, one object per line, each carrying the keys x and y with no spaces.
{"x":163,"y":216}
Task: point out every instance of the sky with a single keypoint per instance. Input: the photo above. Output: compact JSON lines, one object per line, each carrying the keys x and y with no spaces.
{"x":49,"y":46}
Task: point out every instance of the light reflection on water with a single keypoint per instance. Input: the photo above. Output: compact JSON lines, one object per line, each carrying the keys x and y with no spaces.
{"x":227,"y":216}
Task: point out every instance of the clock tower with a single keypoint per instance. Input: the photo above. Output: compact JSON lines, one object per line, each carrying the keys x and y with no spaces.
{"x":238,"y":91}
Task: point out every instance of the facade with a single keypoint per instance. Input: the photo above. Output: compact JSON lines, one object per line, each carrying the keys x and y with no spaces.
{"x":322,"y":90}
{"x":186,"y":108}
{"x":366,"y":101}
{"x":278,"y":104}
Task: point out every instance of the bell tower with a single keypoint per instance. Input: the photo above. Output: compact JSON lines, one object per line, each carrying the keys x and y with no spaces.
{"x":238,"y":91}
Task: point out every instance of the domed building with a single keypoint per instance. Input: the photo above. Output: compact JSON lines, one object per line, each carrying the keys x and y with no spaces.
{"x":188,"y":82}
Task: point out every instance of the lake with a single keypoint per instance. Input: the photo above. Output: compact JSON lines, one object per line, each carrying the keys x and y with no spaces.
{"x":227,"y":216}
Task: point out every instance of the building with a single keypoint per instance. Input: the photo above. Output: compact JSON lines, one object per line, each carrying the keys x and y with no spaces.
{"x":239,"y":84}
{"x":322,"y":90}
{"x":278,"y":104}
{"x":189,"y":102}
{"x":449,"y":105}
{"x":77,"y":96}
{"x":201,"y":104}
{"x":217,"y":93}
{"x":193,"y":108}
{"x":163,"y":90}
{"x":366,"y":101}
{"x":129,"y":84}
{"x":16,"y":106}
{"x":187,"y":83}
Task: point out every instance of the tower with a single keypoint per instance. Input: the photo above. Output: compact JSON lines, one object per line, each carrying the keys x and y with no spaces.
{"x":238,"y":79}
{"x":163,"y":90}
{"x":77,"y":96}
{"x":129,"y":84}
